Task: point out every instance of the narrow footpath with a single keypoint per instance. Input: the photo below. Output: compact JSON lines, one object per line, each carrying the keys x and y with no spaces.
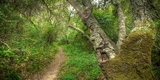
{"x":53,"y":69}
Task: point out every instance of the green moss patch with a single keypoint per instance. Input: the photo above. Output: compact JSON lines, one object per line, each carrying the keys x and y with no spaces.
{"x":134,"y":60}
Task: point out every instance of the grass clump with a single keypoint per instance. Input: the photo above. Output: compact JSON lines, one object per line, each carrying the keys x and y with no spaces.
{"x":80,"y":65}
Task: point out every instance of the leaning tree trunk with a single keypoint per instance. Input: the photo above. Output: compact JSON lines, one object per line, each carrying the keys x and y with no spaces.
{"x":134,"y":60}
{"x":101,"y":42}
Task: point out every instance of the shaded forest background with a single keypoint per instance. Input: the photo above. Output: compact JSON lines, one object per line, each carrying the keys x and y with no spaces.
{"x":32,"y":30}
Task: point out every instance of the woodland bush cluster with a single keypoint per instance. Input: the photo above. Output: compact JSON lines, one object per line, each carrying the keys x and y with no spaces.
{"x":24,"y":47}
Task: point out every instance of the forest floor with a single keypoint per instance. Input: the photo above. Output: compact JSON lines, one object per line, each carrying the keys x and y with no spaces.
{"x":53,"y":69}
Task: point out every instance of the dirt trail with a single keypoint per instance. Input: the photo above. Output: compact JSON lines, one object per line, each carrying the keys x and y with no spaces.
{"x":53,"y":69}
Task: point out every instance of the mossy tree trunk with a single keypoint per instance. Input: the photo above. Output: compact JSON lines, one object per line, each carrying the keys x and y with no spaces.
{"x":134,"y":60}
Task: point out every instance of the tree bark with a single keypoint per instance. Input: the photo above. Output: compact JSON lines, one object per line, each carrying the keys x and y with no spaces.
{"x":102,"y":43}
{"x":122,"y":24}
{"x":134,"y":60}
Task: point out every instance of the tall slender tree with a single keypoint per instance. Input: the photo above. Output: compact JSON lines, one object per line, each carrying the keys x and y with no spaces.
{"x":122,"y":24}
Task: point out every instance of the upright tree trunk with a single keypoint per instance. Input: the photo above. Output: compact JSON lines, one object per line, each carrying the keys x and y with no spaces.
{"x":122,"y":24}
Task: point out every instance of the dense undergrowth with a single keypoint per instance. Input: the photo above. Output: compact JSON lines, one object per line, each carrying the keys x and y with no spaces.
{"x":156,"y":52}
{"x":24,"y":48}
{"x":29,"y":39}
{"x":80,"y":65}
{"x":20,"y":64}
{"x":23,"y":57}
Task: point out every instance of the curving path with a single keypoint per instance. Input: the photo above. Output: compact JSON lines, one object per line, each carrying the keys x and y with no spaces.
{"x":53,"y":69}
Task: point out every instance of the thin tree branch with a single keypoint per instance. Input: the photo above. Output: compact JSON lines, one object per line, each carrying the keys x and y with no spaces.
{"x":79,"y":30}
{"x":157,"y":47}
{"x":47,"y":7}
{"x":27,"y":18}
{"x":5,"y":44}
